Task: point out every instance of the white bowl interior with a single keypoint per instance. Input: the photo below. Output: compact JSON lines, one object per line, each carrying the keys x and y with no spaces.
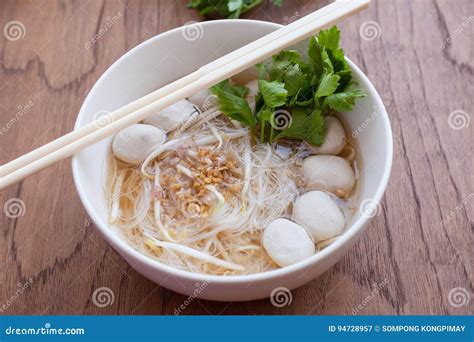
{"x":170,"y":56}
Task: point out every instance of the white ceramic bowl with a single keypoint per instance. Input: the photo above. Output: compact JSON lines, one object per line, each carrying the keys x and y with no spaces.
{"x":171,"y":55}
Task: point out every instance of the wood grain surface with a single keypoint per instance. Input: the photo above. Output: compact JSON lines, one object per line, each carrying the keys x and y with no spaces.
{"x":416,"y":256}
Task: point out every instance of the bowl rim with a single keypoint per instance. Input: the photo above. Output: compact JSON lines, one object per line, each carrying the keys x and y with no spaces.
{"x":124,"y":248}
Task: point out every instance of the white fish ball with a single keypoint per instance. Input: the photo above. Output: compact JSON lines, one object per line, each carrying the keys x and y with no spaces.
{"x":134,"y":143}
{"x":319,"y":214}
{"x":335,"y":138}
{"x":329,"y":173}
{"x":203,"y":99}
{"x":171,"y":117}
{"x":286,"y":242}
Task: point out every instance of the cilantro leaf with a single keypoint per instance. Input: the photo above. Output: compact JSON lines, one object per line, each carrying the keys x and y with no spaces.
{"x":299,"y":124}
{"x":280,"y":62}
{"x":315,"y":56}
{"x":317,"y":128}
{"x":345,"y":80}
{"x":231,"y":9}
{"x":343,"y":102}
{"x":305,"y":103}
{"x":234,"y":89}
{"x":262,"y":70}
{"x":232,"y":102}
{"x":290,"y":56}
{"x":273,"y":93}
{"x":329,"y":38}
{"x":210,"y":7}
{"x":294,"y":79}
{"x":306,"y":125}
{"x":327,"y":85}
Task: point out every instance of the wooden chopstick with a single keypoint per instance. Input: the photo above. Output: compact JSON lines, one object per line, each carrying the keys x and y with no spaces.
{"x":203,"y":78}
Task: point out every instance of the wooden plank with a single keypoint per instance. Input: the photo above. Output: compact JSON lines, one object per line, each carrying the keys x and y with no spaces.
{"x":411,"y":256}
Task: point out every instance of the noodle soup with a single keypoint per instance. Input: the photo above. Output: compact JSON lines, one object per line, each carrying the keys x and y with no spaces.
{"x":241,"y":178}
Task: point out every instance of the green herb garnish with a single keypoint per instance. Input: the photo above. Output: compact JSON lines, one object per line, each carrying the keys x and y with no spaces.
{"x":295,"y":94}
{"x":232,"y":102}
{"x":231,"y":9}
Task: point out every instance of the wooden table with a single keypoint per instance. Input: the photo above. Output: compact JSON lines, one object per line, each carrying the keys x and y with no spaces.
{"x":415,"y":258}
